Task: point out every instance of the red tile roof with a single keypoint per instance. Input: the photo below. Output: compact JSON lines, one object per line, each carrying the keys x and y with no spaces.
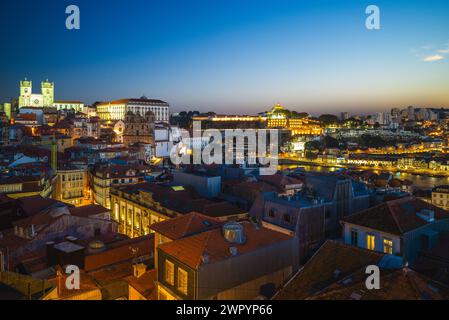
{"x":119,"y":252}
{"x":34,"y":204}
{"x":396,"y":216}
{"x":331,"y":263}
{"x":191,"y":250}
{"x":187,"y":225}
{"x":87,"y":211}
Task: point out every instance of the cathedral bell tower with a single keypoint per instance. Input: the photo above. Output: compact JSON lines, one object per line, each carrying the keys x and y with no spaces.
{"x":48,"y":93}
{"x":26,"y":87}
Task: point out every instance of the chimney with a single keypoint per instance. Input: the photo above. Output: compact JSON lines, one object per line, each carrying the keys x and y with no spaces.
{"x":139,"y":269}
{"x":50,"y":254}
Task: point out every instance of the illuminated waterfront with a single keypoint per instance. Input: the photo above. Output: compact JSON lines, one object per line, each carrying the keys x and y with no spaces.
{"x":419,"y":181}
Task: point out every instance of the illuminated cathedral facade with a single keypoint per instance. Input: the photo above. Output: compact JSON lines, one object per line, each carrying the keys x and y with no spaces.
{"x":29,"y":99}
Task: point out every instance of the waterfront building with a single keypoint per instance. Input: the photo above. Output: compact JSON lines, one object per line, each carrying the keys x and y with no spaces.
{"x":440,"y":196}
{"x":281,"y":118}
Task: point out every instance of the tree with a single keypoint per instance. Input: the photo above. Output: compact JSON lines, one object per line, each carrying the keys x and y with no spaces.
{"x":330,"y":142}
{"x":328,"y":119}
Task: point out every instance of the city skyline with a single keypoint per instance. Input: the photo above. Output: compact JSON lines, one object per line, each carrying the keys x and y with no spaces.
{"x":232,"y":56}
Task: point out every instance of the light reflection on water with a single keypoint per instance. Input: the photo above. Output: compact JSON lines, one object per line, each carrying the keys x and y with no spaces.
{"x":419,"y":181}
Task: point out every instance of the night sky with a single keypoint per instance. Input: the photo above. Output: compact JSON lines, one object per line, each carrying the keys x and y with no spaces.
{"x":232,"y":56}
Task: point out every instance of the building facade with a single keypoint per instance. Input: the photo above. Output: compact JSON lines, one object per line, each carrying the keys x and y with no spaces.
{"x":117,"y":110}
{"x":139,"y":128}
{"x":76,"y":106}
{"x":72,"y":186}
{"x":29,"y":99}
{"x":440,"y":197}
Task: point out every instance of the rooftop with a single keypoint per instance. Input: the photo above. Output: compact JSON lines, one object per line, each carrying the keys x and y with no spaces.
{"x":186,"y":225}
{"x":192,"y":250}
{"x":397,"y":216}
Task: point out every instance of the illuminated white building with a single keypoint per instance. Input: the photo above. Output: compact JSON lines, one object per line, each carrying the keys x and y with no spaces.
{"x":116,"y":110}
{"x":77,"y":106}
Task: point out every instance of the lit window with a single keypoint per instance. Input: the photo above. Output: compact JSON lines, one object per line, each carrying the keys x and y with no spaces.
{"x":388,"y":246}
{"x":182,"y":281}
{"x":370,"y":241}
{"x":169,"y":272}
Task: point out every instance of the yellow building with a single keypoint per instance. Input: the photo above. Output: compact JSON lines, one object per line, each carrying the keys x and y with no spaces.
{"x":136,"y":210}
{"x":282,"y":118}
{"x":440,"y":197}
{"x":72,"y":186}
{"x":103,"y":178}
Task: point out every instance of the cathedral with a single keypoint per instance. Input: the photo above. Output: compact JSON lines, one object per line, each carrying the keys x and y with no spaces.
{"x":29,"y":99}
{"x":139,"y":128}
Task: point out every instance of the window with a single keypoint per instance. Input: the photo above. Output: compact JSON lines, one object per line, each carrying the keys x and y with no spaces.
{"x":354,"y":237}
{"x":272,"y":213}
{"x":182,"y":281}
{"x":370,"y":241}
{"x":169,"y":272}
{"x":287,"y":218}
{"x":388,"y":246}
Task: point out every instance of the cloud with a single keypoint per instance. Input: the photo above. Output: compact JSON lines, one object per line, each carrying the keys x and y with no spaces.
{"x":433,"y":58}
{"x":431,"y":53}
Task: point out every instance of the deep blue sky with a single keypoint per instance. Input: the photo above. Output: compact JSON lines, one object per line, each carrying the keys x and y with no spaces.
{"x":232,"y":56}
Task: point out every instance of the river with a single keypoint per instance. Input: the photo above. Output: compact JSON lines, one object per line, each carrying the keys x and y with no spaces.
{"x":419,"y":181}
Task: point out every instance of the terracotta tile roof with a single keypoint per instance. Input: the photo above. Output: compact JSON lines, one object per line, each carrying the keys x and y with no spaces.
{"x":87,"y":284}
{"x":257,"y":185}
{"x":396,"y":216}
{"x":34,"y":204}
{"x":119,"y":252}
{"x":26,"y":117}
{"x":396,"y":284}
{"x":87,"y":211}
{"x":331,"y":263}
{"x":191,"y":250}
{"x":280,"y":181}
{"x":145,"y":284}
{"x":187,"y":225}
